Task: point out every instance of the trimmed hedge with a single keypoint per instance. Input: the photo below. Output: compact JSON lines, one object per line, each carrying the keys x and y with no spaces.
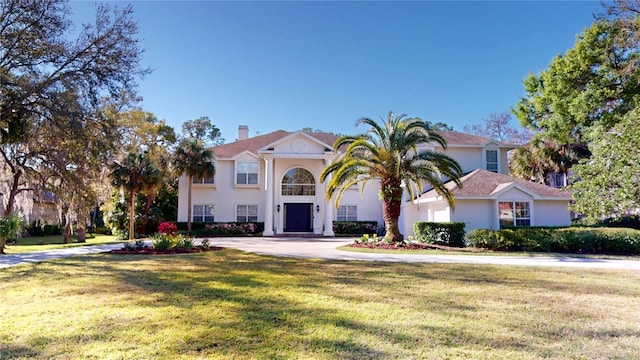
{"x":579,"y":240}
{"x":222,"y":228}
{"x":441,"y":233}
{"x":38,"y":228}
{"x":355,"y":227}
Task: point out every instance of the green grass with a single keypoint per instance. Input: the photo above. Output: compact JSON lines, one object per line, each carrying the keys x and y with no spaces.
{"x":483,"y":252}
{"x":42,"y":243}
{"x":235,"y":305}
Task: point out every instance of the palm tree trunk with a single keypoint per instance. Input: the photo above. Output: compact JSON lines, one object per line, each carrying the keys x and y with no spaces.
{"x":147,"y":209}
{"x":189,"y":204}
{"x":132,"y":205}
{"x":391,"y":194}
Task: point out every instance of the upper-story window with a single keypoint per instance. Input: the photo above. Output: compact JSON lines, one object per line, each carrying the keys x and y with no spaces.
{"x":298,"y":181}
{"x":207,"y":180}
{"x":203,"y":180}
{"x":492,"y":160}
{"x":246,"y":172}
{"x":558,"y":180}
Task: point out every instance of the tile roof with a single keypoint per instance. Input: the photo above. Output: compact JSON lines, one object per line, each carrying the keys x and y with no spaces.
{"x":484,"y":183}
{"x":458,"y":138}
{"x":255,"y":143}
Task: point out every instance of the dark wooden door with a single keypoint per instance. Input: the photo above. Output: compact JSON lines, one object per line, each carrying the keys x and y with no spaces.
{"x":298,"y":217}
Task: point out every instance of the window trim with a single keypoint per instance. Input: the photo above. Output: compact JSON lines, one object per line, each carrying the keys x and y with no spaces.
{"x":247,"y":184}
{"x":514,"y":213}
{"x":347,"y":215}
{"x":203,"y":216}
{"x":205,"y":183}
{"x":486,"y":159}
{"x":247,"y":216}
{"x":311,"y":188}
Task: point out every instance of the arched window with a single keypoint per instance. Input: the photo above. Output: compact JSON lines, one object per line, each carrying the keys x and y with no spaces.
{"x":298,"y":181}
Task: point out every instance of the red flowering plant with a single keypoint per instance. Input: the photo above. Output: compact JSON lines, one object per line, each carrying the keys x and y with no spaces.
{"x":167,"y":228}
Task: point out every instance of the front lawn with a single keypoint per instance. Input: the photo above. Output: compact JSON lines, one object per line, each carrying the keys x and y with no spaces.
{"x":51,"y":242}
{"x":231,"y":304}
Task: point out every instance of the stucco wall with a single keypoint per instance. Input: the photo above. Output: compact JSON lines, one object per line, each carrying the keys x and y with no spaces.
{"x":369,"y":206}
{"x":475,"y":214}
{"x":514,"y":194}
{"x":552,"y":213}
{"x":468,"y":158}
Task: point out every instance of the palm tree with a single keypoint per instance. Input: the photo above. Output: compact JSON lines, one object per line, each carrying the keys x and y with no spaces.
{"x":525,"y":164}
{"x":194,"y":160}
{"x":389,"y":152}
{"x":10,"y":227}
{"x":133,"y":174}
{"x":543,"y":156}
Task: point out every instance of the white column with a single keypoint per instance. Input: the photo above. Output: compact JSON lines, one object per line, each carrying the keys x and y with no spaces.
{"x":328,"y":206}
{"x":268,"y":198}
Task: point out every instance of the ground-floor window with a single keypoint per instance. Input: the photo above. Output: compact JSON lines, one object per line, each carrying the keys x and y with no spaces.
{"x":514,"y":213}
{"x":245,"y":213}
{"x":203,"y":213}
{"x":347,"y":213}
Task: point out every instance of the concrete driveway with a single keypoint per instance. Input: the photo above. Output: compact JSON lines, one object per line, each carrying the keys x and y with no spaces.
{"x":326,"y":248}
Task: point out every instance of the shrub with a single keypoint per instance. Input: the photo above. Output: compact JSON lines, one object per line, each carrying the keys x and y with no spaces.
{"x":450,"y":234}
{"x":120,"y":234}
{"x":39,"y":228}
{"x":630,"y":221}
{"x":223,"y":228}
{"x":185,"y":243}
{"x":581,"y":240}
{"x":205,"y":243}
{"x":167,"y":228}
{"x":163,"y":242}
{"x":355,"y":227}
{"x":102,"y":231}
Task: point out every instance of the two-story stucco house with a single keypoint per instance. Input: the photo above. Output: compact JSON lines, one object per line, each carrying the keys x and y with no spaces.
{"x":274,"y":178}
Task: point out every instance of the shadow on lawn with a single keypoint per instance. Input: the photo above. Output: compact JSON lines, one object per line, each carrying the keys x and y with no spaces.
{"x":11,"y":351}
{"x":246,"y":305}
{"x":264,"y":320}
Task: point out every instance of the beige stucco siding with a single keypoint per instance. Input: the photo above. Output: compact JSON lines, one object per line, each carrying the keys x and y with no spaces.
{"x":552,"y":213}
{"x":475,"y":214}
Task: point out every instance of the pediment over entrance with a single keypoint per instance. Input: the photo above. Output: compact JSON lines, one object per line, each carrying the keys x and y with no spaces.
{"x":298,"y":143}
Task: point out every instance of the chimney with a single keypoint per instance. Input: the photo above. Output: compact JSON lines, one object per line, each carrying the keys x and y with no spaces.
{"x":243,"y":132}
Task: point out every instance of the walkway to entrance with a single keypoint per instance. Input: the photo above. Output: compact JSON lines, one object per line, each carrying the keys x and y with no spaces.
{"x":326,"y":248}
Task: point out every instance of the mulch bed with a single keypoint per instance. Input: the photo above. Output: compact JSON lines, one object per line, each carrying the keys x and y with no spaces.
{"x":147,"y":250}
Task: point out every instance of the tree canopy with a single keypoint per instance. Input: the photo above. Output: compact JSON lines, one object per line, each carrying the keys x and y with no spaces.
{"x":498,"y":127}
{"x":56,"y":80}
{"x":582,"y":105}
{"x":203,"y":130}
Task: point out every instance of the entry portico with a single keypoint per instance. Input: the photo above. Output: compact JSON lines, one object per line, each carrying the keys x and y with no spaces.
{"x":275,"y":179}
{"x":292,"y":168}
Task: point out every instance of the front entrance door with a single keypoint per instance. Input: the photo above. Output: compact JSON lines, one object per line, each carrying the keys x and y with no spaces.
{"x":297,"y":217}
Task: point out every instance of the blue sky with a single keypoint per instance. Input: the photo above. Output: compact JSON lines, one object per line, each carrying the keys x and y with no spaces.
{"x":289,"y":65}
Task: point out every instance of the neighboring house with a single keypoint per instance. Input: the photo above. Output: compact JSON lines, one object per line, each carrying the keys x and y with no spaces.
{"x":274,"y":178}
{"x":44,"y":208}
{"x":557,"y":180}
